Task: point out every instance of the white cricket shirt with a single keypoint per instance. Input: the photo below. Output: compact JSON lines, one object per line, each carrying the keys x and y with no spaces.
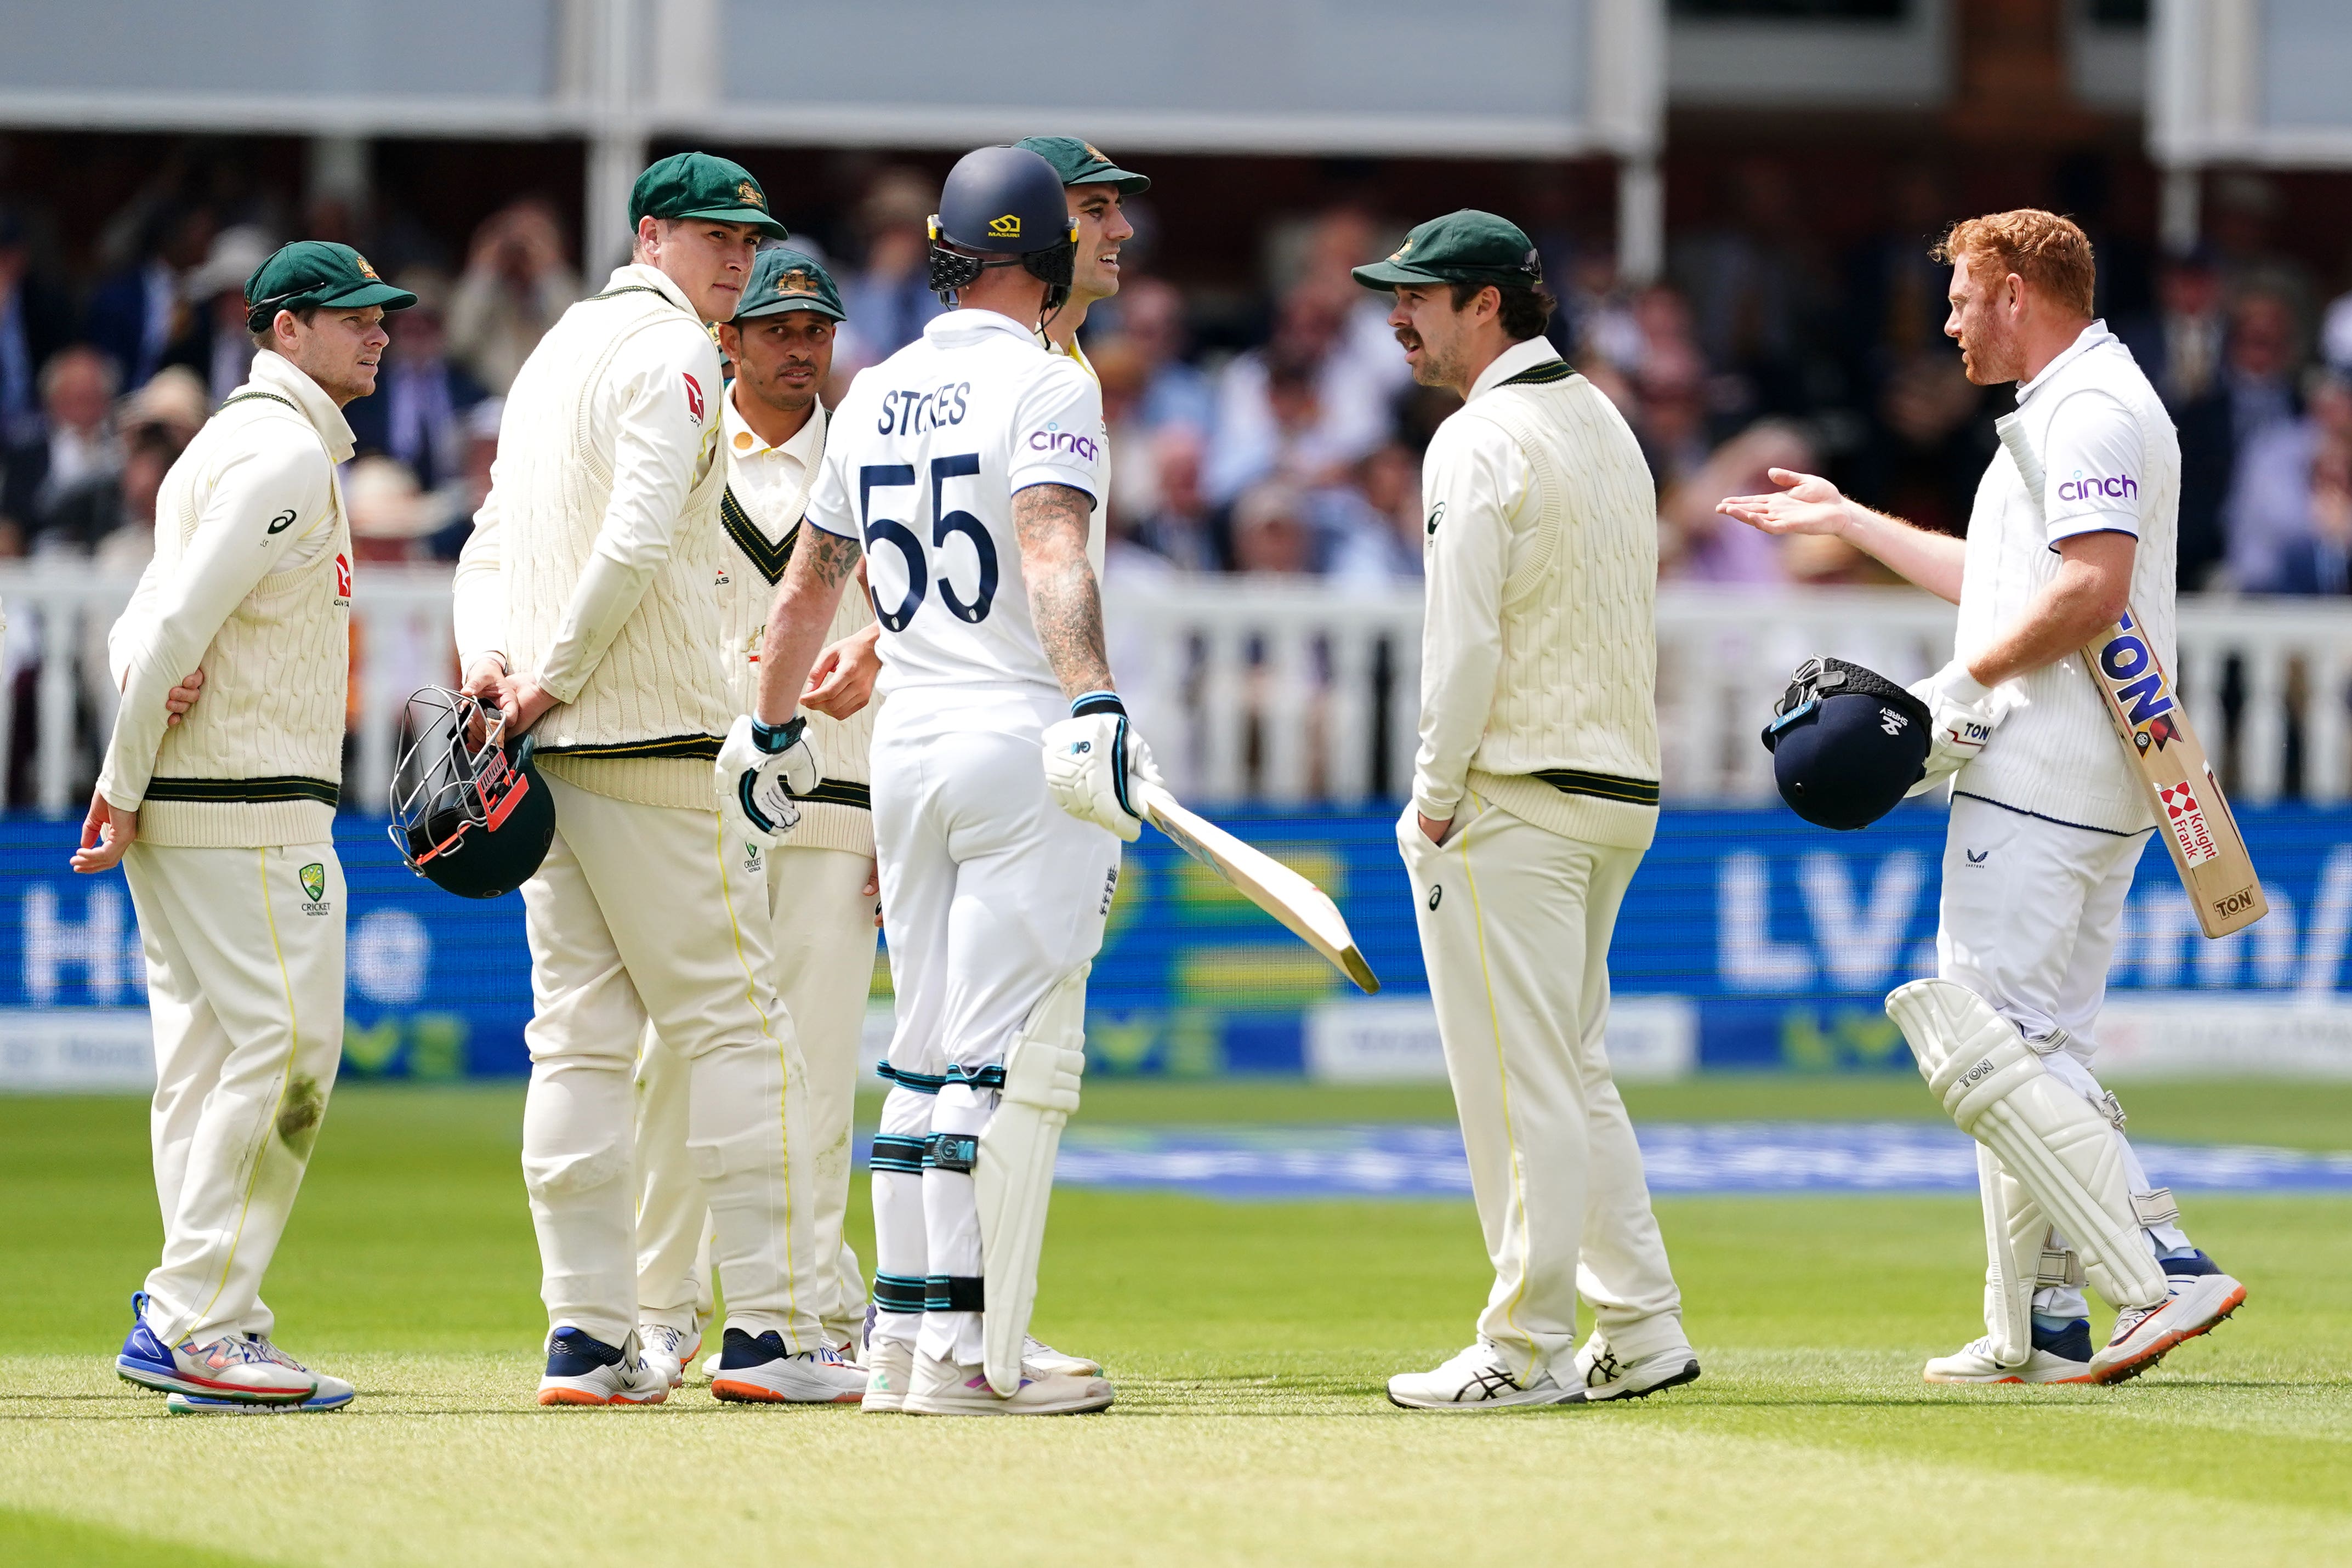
{"x":921,"y":466}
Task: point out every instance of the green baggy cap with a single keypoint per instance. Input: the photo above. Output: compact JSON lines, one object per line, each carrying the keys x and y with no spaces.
{"x":315,"y":272}
{"x":1083,"y":164}
{"x":1466,"y":246}
{"x":698,"y":185}
{"x":785,"y":280}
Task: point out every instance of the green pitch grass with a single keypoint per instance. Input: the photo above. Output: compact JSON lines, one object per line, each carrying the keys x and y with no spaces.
{"x":1248,"y":1342}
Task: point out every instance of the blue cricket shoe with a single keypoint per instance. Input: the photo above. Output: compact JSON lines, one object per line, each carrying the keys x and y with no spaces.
{"x":231,"y":1368}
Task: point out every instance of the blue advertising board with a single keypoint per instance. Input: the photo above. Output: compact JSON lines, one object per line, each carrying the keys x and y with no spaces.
{"x":1782,"y":938}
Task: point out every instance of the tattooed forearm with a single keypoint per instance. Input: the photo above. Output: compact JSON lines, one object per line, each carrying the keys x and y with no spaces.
{"x":1064,"y":598}
{"x":799,"y":618}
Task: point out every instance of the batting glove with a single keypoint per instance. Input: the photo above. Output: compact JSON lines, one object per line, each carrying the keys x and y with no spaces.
{"x":1961,"y":714}
{"x":1093,"y":763}
{"x":760,"y":768}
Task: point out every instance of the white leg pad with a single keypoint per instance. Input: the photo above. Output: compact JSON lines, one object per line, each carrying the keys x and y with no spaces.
{"x":1014,"y":1176}
{"x":2014,"y":1231}
{"x":2062,"y":1153}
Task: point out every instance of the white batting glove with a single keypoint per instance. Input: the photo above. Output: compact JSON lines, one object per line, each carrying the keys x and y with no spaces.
{"x":1962,"y":713}
{"x":760,"y":768}
{"x":1094,"y":762}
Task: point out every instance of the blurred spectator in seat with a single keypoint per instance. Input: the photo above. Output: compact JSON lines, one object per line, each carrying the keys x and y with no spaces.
{"x":1181,"y":527}
{"x":2256,"y":388}
{"x":1699,"y":544}
{"x":2322,"y":561}
{"x":136,"y":315}
{"x":1272,"y":535}
{"x":1151,"y":317}
{"x":1373,"y":528}
{"x":173,"y":400}
{"x":122,"y":521}
{"x":518,"y":279}
{"x":1753,"y":284}
{"x":1296,"y":407}
{"x":77,"y":387}
{"x":35,"y":322}
{"x":1595,"y":317}
{"x":453,"y":503}
{"x":214,"y":342}
{"x":389,"y":517}
{"x":1670,"y":416}
{"x":2272,"y":518}
{"x":416,"y":413}
{"x":1927,"y":450}
{"x":890,"y":299}
{"x":2179,"y":347}
{"x":2240,"y":214}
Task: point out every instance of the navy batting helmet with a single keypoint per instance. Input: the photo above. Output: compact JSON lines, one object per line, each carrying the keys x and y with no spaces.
{"x":469,"y":812}
{"x":1847,"y":743}
{"x":1005,"y":202}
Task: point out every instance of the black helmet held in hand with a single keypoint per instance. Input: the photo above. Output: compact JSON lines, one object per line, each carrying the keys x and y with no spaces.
{"x":1847,"y":743}
{"x":469,"y":812}
{"x":1007,"y":203}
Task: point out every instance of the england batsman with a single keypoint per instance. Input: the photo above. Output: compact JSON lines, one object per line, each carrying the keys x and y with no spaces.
{"x":585,"y":604}
{"x":1535,"y":794}
{"x":819,"y":883}
{"x":968,"y":465}
{"x":222,"y":816}
{"x":2048,"y":820}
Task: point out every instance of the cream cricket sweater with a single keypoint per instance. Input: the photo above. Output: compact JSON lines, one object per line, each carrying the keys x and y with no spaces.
{"x":1539,"y":649}
{"x":592,"y":560}
{"x":251,"y":583}
{"x":767,"y":491}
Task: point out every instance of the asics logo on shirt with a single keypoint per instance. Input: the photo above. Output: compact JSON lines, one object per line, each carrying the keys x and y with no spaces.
{"x":2120,"y":487}
{"x":283,"y":521}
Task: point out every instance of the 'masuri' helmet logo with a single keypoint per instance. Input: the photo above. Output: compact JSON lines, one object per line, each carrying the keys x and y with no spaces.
{"x":1008,"y":226}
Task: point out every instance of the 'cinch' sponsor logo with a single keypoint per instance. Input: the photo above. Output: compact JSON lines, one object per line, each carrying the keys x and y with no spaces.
{"x":2081,"y":487}
{"x":1052,"y":440}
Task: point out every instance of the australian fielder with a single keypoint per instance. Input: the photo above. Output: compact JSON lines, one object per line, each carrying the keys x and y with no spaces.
{"x":1534,"y":795}
{"x":223,"y":823}
{"x":2048,"y":820}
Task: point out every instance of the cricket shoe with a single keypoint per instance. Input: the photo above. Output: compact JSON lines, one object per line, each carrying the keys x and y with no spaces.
{"x":946,"y":1388}
{"x":2059,"y":1355}
{"x":229,"y":1368}
{"x":585,"y":1370}
{"x":669,"y":1351}
{"x":2199,"y":1295}
{"x":1477,"y":1379}
{"x":1604,"y":1376}
{"x":762,"y":1371}
{"x":1037,"y":1354}
{"x":889,"y":1368}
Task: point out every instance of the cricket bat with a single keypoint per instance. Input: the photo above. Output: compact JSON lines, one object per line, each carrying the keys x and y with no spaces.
{"x":2192,"y":815}
{"x":1306,"y":910}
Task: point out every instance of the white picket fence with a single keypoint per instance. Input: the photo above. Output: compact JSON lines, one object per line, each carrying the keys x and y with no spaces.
{"x":1294,"y":690}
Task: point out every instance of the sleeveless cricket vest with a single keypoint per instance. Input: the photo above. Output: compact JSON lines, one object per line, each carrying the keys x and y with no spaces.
{"x":758,"y":547}
{"x":258,"y":760}
{"x":1571,"y":741}
{"x":645,"y":726}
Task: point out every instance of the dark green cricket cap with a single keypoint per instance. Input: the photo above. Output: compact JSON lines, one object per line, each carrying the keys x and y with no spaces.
{"x":1466,"y":246}
{"x":785,"y":280}
{"x":698,"y":185}
{"x":315,"y":272}
{"x":1082,"y":164}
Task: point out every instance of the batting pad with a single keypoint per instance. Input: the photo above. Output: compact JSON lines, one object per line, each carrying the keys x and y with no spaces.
{"x":2047,"y":1137}
{"x":1013,"y":1178}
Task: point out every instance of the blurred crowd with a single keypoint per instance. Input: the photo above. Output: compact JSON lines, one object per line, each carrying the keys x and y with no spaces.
{"x":1296,"y":450}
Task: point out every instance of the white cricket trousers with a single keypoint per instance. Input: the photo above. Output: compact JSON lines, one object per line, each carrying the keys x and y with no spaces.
{"x":821,"y":930}
{"x":245,"y":981}
{"x":992,"y":894}
{"x":1515,"y":926}
{"x":637,"y":915}
{"x":2030,"y":911}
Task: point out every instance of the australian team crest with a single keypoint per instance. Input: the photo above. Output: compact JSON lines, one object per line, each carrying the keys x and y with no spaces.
{"x":745,"y":191}
{"x":314,"y":879}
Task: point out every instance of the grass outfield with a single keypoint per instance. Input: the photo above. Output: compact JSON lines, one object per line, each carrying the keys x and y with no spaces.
{"x":1248,"y":1341}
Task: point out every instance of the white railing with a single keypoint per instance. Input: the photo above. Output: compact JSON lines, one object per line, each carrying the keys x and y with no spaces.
{"x":1296,"y":690}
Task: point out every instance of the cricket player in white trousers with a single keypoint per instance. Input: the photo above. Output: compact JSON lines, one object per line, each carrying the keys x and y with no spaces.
{"x":222,"y":815}
{"x":2048,"y":818}
{"x":820,"y":882}
{"x":968,"y":464}
{"x":585,"y":603}
{"x":1534,"y":795}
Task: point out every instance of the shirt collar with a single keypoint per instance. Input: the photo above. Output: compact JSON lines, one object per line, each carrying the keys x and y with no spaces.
{"x":2093,"y":336}
{"x":636,"y":275}
{"x":807,"y":444}
{"x":965,"y":325}
{"x":1524,"y":355}
{"x":275,"y":373}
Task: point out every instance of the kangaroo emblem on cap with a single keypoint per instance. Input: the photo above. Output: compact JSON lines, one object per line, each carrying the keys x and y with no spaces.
{"x":746,"y":190}
{"x":365,"y":270}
